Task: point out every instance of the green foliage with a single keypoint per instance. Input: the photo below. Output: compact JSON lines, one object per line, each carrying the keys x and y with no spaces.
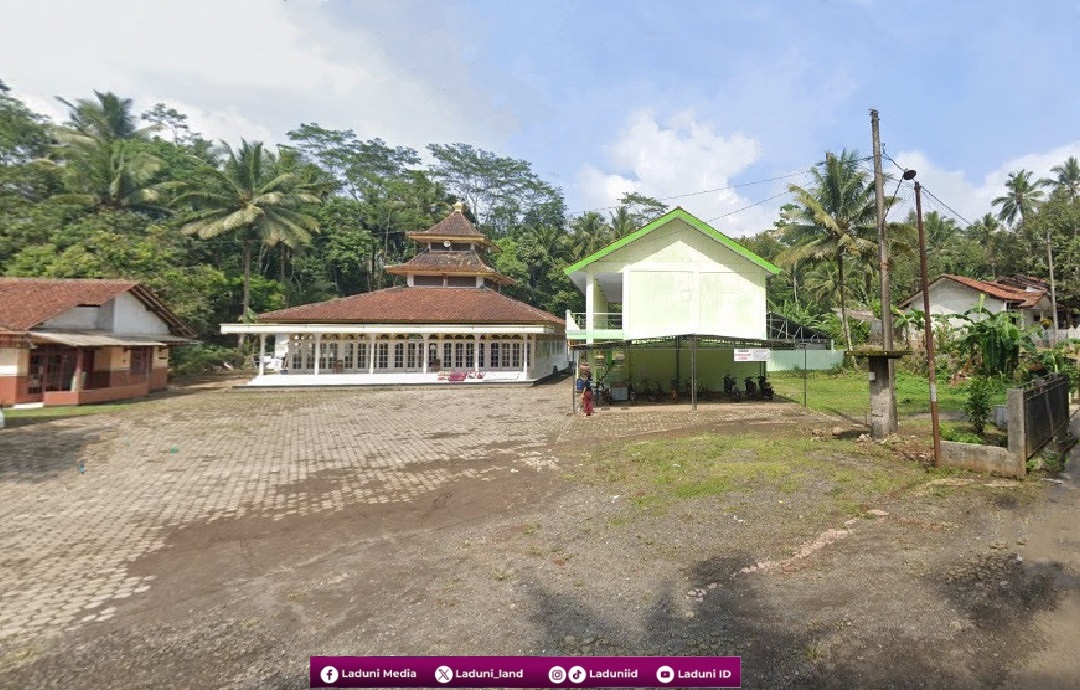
{"x":192,"y":360}
{"x":977,"y":406}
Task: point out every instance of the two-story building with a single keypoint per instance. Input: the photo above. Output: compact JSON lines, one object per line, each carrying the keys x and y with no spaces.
{"x":675,"y":297}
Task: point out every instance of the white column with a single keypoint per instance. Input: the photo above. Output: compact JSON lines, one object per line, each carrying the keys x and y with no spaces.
{"x":262,"y":353}
{"x":590,"y":305}
{"x":318,"y":348}
{"x":626,"y":302}
{"x":424,"y":354}
{"x":371,"y":355}
{"x":476,"y":354}
{"x":525,"y":356}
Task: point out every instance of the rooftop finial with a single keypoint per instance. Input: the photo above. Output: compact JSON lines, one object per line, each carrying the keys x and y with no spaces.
{"x":459,"y":206}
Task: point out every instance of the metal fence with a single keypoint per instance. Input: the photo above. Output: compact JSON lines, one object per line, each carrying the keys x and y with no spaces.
{"x":1046,"y":412}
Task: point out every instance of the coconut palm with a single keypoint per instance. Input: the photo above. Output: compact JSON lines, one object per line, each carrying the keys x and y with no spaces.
{"x":984,"y":233}
{"x":1020,"y":198}
{"x":113,"y":175}
{"x":107,"y":118}
{"x":835,"y":219}
{"x":1067,"y":178}
{"x":253,"y":198}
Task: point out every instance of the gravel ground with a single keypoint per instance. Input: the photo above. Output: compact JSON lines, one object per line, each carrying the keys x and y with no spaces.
{"x":950,"y":582}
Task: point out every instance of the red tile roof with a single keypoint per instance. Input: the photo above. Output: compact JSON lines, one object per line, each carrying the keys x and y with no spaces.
{"x":426,"y":305}
{"x":449,"y":263}
{"x":29,"y":302}
{"x":455,"y":226}
{"x":1018,"y":296}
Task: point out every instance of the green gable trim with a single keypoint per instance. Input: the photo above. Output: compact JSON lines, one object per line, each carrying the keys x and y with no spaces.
{"x":690,"y":220}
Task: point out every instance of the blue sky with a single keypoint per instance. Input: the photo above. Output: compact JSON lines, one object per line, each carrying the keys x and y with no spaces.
{"x":600,"y":96}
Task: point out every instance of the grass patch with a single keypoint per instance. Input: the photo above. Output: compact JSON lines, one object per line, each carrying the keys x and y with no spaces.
{"x":848,"y":392}
{"x":657,"y":473}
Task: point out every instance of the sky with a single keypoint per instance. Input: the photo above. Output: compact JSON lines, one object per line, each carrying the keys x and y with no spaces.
{"x":715,"y":105}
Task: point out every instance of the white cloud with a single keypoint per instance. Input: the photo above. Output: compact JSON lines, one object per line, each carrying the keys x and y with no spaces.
{"x":677,"y":157}
{"x":972,"y":199}
{"x":245,"y":68}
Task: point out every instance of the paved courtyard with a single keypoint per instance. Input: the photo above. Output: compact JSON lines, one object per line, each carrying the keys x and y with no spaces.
{"x":83,"y":498}
{"x":217,"y":538}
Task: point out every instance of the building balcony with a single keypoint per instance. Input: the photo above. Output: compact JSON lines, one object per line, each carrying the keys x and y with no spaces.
{"x":605,"y":326}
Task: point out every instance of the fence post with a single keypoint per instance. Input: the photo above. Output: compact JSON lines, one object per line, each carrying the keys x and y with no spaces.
{"x":1017,"y":433}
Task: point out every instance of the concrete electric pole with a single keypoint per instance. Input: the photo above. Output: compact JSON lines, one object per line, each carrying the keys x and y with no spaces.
{"x":883,"y":395}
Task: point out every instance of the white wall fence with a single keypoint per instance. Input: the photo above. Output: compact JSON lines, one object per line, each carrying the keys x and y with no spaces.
{"x":809,"y":360}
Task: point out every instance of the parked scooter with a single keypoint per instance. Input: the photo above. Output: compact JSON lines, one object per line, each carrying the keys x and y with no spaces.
{"x":766,"y":388}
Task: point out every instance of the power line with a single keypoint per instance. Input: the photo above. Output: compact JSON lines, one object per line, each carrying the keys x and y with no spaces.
{"x":744,"y":208}
{"x":947,"y":207}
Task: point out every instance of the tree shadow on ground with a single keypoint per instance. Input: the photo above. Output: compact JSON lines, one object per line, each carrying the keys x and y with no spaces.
{"x":777,"y":646}
{"x":41,"y":452}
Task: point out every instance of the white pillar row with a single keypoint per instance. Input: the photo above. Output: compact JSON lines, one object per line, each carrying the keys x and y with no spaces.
{"x":525,"y":356}
{"x":262,"y":353}
{"x":424,"y":354}
{"x":318,"y":351}
{"x":371,"y":355}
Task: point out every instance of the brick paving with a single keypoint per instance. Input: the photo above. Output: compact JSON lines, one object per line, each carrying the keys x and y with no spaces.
{"x":70,"y":535}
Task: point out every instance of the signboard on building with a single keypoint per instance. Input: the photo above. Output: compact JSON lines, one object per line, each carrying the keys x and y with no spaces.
{"x":758,"y":354}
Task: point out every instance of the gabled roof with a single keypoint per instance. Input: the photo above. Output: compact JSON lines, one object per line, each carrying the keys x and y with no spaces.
{"x":689,"y":219}
{"x":417,"y":305}
{"x":1021,"y":297}
{"x":28,"y":302}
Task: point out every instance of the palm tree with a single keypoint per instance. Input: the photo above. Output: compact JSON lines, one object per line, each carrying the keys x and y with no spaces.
{"x":836,"y":217}
{"x":252,"y":198}
{"x":1068,"y":178}
{"x":984,"y":233}
{"x":113,"y":176}
{"x":1020,"y":198}
{"x":107,"y":119}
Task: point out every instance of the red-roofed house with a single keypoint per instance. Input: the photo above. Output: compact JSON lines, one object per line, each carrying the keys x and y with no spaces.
{"x":951,"y":294}
{"x":67,"y":342}
{"x":450,"y":322}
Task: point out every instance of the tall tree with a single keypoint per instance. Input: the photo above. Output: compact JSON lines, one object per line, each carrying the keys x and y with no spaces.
{"x":1066,"y":178}
{"x":1021,"y":197}
{"x":252,"y":198}
{"x":835,"y":220}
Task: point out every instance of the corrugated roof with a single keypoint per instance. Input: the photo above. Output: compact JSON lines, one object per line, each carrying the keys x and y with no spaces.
{"x":417,"y":305}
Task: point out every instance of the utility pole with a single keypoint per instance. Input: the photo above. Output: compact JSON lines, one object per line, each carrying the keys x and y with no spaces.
{"x":888,"y":399}
{"x":1053,"y":296}
{"x":928,"y":332}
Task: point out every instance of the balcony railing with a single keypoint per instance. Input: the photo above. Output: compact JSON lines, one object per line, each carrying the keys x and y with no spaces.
{"x":601,"y":320}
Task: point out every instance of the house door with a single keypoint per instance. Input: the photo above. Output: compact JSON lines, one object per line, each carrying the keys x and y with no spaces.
{"x":35,"y":378}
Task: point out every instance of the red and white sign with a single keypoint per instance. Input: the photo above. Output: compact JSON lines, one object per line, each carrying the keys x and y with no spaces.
{"x":752,"y":355}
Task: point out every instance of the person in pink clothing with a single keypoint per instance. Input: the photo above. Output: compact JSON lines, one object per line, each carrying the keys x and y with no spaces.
{"x":587,"y":400}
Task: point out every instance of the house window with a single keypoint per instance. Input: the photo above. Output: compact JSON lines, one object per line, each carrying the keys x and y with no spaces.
{"x":414,"y":354}
{"x":382,"y":355}
{"x":470,"y":355}
{"x":494,"y":355}
{"x":427,"y":281}
{"x":361,"y":355}
{"x":515,"y":354}
{"x":433,"y":354}
{"x":348,"y":356}
{"x":298,"y":356}
{"x":480,"y":356}
{"x":459,"y":355}
{"x":447,"y":355}
{"x":461,"y":281}
{"x":399,"y":355}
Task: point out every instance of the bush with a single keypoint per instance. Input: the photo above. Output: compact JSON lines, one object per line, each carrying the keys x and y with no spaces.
{"x":977,"y":407}
{"x":188,"y":360}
